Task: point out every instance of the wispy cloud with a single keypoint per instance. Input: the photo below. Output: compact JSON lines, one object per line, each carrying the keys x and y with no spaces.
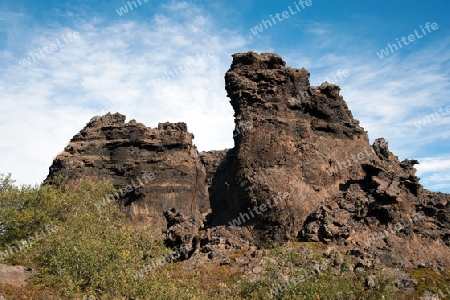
{"x":6,"y":16}
{"x":116,"y":66}
{"x":432,"y":164}
{"x":117,"y":61}
{"x":435,"y":172}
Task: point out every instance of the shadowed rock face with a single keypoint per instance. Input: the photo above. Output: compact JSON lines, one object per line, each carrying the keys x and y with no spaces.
{"x":294,"y":133}
{"x":301,"y":167}
{"x":125,"y":153}
{"x":302,"y":140}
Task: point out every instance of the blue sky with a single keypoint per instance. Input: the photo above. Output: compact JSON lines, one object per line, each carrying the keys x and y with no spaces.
{"x":85,"y":59}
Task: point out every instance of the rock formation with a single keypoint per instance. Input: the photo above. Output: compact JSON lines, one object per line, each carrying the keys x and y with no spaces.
{"x":294,"y":133}
{"x":107,"y":148}
{"x":301,"y":168}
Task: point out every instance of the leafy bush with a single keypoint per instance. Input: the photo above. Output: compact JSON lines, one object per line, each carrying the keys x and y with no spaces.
{"x":91,"y":251}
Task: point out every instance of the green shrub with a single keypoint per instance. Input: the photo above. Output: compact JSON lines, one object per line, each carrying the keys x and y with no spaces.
{"x":89,"y":251}
{"x":312,"y":276}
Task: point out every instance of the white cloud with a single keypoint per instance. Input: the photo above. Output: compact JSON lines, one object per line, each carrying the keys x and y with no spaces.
{"x":434,"y":164}
{"x":434,"y":172}
{"x":115,"y":66}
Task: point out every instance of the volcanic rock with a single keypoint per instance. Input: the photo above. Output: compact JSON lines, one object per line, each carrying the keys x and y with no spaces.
{"x":302,"y":140}
{"x":297,"y":133}
{"x":107,"y":148}
{"x":301,"y":168}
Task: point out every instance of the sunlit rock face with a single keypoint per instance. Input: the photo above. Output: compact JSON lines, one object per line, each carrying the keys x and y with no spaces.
{"x":154,"y":169}
{"x":301,"y":168}
{"x":288,"y":134}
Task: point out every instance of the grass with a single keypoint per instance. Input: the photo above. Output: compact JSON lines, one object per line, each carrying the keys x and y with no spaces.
{"x":433,"y":280}
{"x":94,"y":255}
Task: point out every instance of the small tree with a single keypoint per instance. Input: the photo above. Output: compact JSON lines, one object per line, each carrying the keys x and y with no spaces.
{"x":88,"y":251}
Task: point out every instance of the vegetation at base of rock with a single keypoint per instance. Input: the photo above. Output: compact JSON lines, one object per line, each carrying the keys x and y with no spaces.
{"x":92,"y":251}
{"x":433,"y":280}
{"x":316,"y":272}
{"x":94,"y":254}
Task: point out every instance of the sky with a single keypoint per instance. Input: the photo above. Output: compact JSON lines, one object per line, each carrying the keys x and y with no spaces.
{"x":63,"y":62}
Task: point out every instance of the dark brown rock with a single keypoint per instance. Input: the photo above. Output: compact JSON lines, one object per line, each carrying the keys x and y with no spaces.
{"x":297,"y":133}
{"x":388,"y":215}
{"x":110,"y":149}
{"x":302,"y":167}
{"x":302,"y":140}
{"x":212,"y":160}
